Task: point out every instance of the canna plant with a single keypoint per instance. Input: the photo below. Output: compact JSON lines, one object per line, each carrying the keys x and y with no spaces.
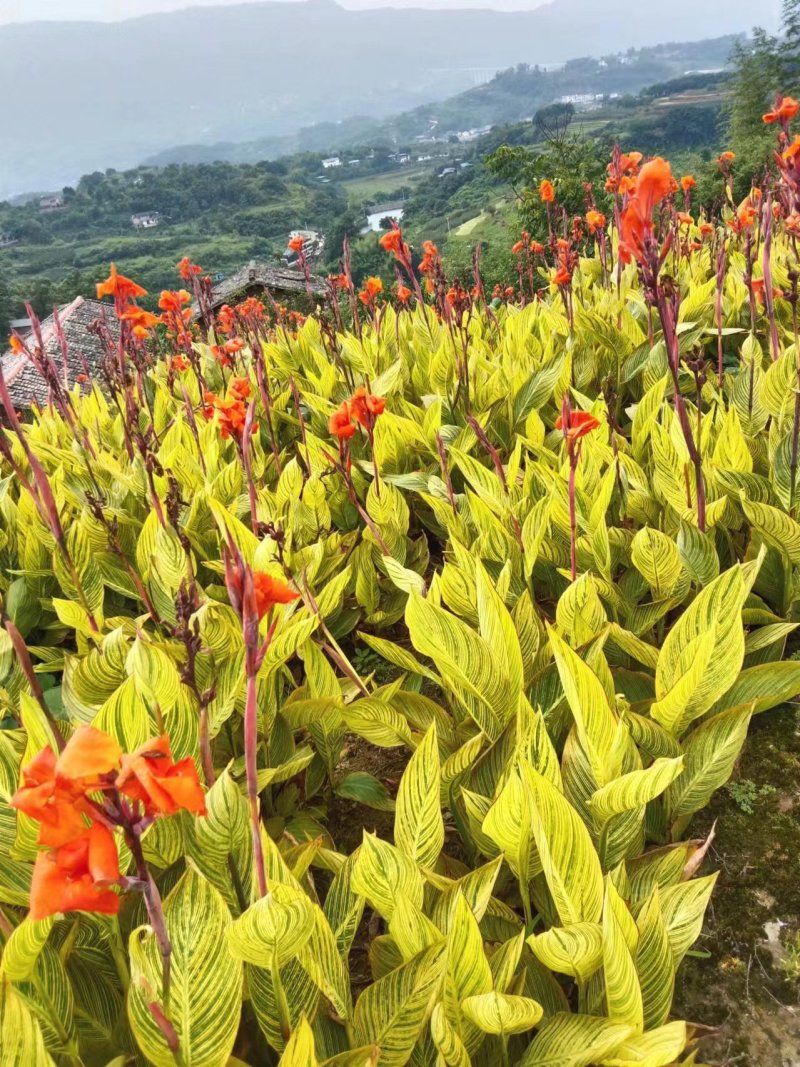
{"x":503,"y":582}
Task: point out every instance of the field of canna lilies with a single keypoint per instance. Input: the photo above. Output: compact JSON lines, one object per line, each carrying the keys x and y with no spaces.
{"x":509,"y":574}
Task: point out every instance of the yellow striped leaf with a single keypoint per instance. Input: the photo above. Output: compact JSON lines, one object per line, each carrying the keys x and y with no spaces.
{"x":21,"y":1040}
{"x":656,"y":558}
{"x":274,"y":929}
{"x":464,"y":659}
{"x":22,"y":948}
{"x":382,"y":874}
{"x":589,"y":705}
{"x":502,"y":1013}
{"x":776,"y":527}
{"x":623,"y":992}
{"x":576,"y":949}
{"x":683,"y":907}
{"x":418,"y":824}
{"x":206,"y":988}
{"x":569,"y":861}
{"x":654,"y":963}
{"x":634,"y":789}
{"x":656,"y":1048}
{"x":710,"y":753}
{"x":392,"y":1011}
{"x":447,"y":1041}
{"x":300,"y":1051}
{"x":566,"y":1040}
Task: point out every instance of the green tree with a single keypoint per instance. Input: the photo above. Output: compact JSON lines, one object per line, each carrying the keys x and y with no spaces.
{"x":757,"y":75}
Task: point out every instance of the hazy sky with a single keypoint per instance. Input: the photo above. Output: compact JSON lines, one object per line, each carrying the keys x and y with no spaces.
{"x":113,"y":10}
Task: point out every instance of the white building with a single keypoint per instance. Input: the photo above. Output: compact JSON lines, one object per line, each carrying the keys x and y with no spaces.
{"x":331,"y":161}
{"x":145,"y":220}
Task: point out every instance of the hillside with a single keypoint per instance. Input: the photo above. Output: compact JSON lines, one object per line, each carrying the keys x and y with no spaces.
{"x":228,"y":213}
{"x":511,"y":95}
{"x":82,"y":100}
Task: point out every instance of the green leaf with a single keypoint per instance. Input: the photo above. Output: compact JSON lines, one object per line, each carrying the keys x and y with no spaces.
{"x":576,"y":949}
{"x":569,"y":861}
{"x":566,"y":1040}
{"x":206,"y":987}
{"x":710,"y":753}
{"x":274,"y":929}
{"x":365,"y":789}
{"x":501,"y":1013}
{"x":392,"y":1011}
{"x":382,"y":873}
{"x":418,"y":824}
{"x":23,"y":946}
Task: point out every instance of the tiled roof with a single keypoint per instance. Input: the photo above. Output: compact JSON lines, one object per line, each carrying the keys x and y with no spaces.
{"x":277,"y":279}
{"x":85,"y":351}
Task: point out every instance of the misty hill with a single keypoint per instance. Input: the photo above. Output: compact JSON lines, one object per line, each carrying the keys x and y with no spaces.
{"x":511,"y":96}
{"x":80,"y":96}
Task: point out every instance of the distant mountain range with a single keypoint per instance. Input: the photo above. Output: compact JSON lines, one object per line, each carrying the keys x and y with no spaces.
{"x":80,"y":96}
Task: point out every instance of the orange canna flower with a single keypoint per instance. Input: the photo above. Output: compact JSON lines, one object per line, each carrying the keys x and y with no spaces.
{"x":706,"y":229}
{"x":82,"y":378}
{"x":562,"y":276}
{"x":226,"y":319}
{"x":537,"y":248}
{"x":338,"y":281}
{"x":365,"y":408}
{"x":595,"y":220}
{"x":234,"y":345}
{"x":296,"y":244}
{"x":793,"y":224}
{"x":186,"y":269}
{"x":150,"y":777}
{"x":372,"y":286}
{"x":340,"y":423}
{"x":724,"y":158}
{"x":687,"y":183}
{"x":76,"y":876}
{"x":54,"y":788}
{"x":179,"y":364}
{"x":653,"y":183}
{"x":271,"y":591}
{"x":16,"y":346}
{"x":174,"y":300}
{"x":430,"y":254}
{"x":785,"y":109}
{"x":629,"y":161}
{"x":685,"y":219}
{"x":120,"y":287}
{"x":547,"y":193}
{"x":518,"y":247}
{"x":403,"y":294}
{"x":580,"y":424}
{"x":139,"y":318}
{"x":239,"y":388}
{"x":791,"y":151}
{"x":231,"y":415}
{"x":392,"y":241}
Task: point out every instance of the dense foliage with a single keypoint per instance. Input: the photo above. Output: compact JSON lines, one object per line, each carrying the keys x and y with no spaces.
{"x":537,"y":552}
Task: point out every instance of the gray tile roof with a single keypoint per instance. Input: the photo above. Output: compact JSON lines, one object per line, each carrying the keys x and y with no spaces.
{"x":256,"y":275}
{"x":85,"y":351}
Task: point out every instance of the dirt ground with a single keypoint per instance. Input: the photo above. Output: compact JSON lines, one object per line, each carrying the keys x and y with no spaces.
{"x":748,"y":988}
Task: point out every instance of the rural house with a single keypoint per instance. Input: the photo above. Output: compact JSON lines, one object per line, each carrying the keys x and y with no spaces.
{"x":85,"y":352}
{"x":257,"y":278}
